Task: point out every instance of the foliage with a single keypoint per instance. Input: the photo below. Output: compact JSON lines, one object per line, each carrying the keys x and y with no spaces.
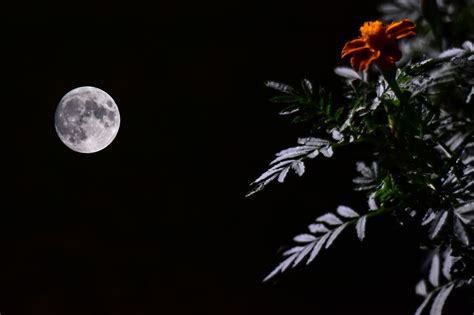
{"x":420,"y":134}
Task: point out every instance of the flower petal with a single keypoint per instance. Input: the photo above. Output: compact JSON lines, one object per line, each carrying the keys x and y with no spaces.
{"x":377,"y":43}
{"x":406,"y":34}
{"x":401,"y":29}
{"x":391,"y":53}
{"x":361,"y":60}
{"x":389,"y":56}
{"x":353,"y":46}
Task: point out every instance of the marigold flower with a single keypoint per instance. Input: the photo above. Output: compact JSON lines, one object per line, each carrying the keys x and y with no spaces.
{"x":377,"y":43}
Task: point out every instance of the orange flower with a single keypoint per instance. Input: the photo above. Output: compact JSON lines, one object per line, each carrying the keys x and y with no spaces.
{"x":377,"y":43}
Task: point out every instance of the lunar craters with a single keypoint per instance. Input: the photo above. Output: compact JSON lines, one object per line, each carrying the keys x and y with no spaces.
{"x":87,"y":119}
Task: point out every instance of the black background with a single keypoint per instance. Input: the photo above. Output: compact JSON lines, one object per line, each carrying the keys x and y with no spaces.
{"x":157,"y":222}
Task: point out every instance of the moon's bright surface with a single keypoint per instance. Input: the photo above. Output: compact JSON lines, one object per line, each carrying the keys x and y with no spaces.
{"x":87,"y":119}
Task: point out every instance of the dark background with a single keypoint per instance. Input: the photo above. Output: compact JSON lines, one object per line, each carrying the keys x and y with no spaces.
{"x":157,"y":222}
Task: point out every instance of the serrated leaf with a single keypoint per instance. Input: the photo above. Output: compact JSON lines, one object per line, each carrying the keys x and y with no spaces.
{"x":421,"y":288}
{"x":288,"y":156}
{"x":311,"y":141}
{"x":299,"y":150}
{"x":364,"y":170}
{"x":335,"y":134}
{"x":261,"y":185}
{"x":303,"y":254}
{"x":439,"y":224}
{"x":455,"y":141}
{"x":268,"y":173}
{"x":281,"y":267}
{"x":434,"y":270}
{"x":330,"y":219}
{"x":429,"y":216}
{"x":469,"y":46}
{"x":282,"y":176}
{"x":327,"y":151}
{"x":389,"y":8}
{"x":375,"y":168}
{"x":313,"y":154}
{"x":362,"y":180}
{"x":440,"y":300}
{"x":447,"y":264}
{"x":299,"y":168}
{"x":318,"y":228}
{"x":307,"y":87}
{"x":371,"y":202}
{"x":335,"y":234}
{"x":293,"y":152}
{"x":360,"y":227}
{"x":290,"y":110}
{"x":451,"y":53}
{"x":304,"y":238}
{"x":281,"y":164}
{"x":460,"y":232}
{"x":465,"y":208}
{"x":280,"y":87}
{"x":346,"y":212}
{"x":254,"y":191}
{"x":423,"y":305}
{"x":347,"y":73}
{"x":317,"y":247}
{"x":470,"y":95}
{"x":380,"y":89}
{"x":293,"y":250}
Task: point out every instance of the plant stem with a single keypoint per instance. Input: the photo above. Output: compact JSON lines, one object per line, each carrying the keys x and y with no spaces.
{"x":374,"y":213}
{"x":390,"y":76}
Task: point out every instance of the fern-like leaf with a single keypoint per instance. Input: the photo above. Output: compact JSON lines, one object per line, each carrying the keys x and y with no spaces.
{"x":439,"y":279}
{"x":360,"y":227}
{"x":440,"y":299}
{"x":322,"y":234}
{"x":292,"y":159}
{"x":368,"y":176}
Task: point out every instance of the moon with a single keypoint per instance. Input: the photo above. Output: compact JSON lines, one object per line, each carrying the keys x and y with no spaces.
{"x":87,"y":119}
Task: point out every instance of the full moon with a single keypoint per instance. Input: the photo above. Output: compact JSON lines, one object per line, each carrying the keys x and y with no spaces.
{"x":87,"y":119}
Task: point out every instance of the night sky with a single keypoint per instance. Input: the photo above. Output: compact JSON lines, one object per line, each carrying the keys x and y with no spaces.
{"x":157,"y":223}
